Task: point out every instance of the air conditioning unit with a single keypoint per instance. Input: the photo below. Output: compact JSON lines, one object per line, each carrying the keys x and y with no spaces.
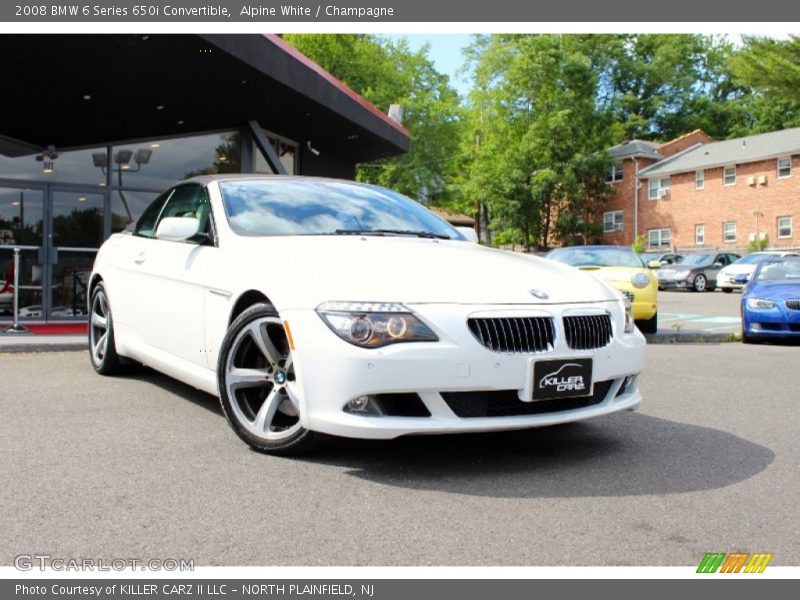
{"x":663,"y":193}
{"x":751,"y":237}
{"x":762,"y":180}
{"x":751,"y":180}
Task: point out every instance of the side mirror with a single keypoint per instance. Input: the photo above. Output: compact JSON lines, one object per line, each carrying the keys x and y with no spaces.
{"x":469,"y":233}
{"x":177,"y":229}
{"x":654,"y":264}
{"x":717,"y":265}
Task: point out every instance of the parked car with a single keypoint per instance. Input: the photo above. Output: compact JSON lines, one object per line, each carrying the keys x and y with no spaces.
{"x":727,"y":277}
{"x":656,"y":260}
{"x":36,"y":310}
{"x":620,"y":267}
{"x":771,"y":301}
{"x":315,"y":306}
{"x":696,"y":272}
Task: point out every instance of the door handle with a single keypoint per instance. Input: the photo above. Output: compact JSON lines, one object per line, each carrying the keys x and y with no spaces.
{"x":140,"y":259}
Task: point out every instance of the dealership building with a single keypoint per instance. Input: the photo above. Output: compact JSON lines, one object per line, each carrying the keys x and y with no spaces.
{"x":94,"y":127}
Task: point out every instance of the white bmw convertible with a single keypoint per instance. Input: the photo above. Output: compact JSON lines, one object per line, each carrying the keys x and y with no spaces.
{"x":315,"y":306}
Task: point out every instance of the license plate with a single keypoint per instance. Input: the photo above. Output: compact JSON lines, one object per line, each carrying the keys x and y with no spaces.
{"x":565,"y":378}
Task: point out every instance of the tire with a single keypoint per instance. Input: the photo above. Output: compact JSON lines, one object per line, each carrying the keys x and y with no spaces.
{"x":649,"y":325}
{"x":102,"y":348}
{"x":262,"y":405}
{"x":699,"y":283}
{"x":727,"y":290}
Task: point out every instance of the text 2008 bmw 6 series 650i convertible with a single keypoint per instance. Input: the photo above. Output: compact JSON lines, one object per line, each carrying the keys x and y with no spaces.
{"x":315,"y":306}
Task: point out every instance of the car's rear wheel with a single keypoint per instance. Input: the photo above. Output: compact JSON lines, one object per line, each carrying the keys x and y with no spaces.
{"x":699,"y":283}
{"x":258,"y":389}
{"x":648,"y":325}
{"x":102,"y":349}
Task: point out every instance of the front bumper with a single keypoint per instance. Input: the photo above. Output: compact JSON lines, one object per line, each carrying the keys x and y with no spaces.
{"x":330,"y":372}
{"x":726,"y":282}
{"x":778,"y":322}
{"x":675,"y":284}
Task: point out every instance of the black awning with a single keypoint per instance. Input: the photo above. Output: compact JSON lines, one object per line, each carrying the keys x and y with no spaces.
{"x":74,"y":91}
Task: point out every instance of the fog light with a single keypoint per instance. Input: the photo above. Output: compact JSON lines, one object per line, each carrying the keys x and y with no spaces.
{"x":363,"y":405}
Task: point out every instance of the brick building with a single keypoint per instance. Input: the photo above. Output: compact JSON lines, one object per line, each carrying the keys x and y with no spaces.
{"x":692,"y":192}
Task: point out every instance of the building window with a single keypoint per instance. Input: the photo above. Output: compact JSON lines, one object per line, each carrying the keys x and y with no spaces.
{"x":612,"y":221}
{"x":658,"y":188}
{"x":729,"y":175}
{"x":659,"y":238}
{"x":699,"y":179}
{"x":729,"y":231}
{"x":699,"y":234}
{"x":615,"y":174}
{"x":784,"y":227}
{"x":784,"y":167}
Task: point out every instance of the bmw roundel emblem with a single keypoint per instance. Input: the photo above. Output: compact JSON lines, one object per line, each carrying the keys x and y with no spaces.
{"x":539,"y":294}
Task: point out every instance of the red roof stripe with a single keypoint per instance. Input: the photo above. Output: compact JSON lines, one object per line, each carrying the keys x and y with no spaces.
{"x":302,"y":58}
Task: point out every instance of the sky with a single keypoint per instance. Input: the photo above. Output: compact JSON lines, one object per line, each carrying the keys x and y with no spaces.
{"x":445,"y":53}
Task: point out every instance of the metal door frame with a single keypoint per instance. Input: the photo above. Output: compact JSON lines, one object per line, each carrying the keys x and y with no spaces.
{"x":46,"y":249}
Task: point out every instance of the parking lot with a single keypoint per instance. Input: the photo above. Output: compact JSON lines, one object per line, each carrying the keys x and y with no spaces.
{"x":707,"y":312}
{"x":146,"y":467}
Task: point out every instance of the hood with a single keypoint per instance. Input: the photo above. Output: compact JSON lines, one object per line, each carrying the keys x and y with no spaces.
{"x":775,"y":290}
{"x":405,"y":269}
{"x":615,"y":275}
{"x":738,"y":269}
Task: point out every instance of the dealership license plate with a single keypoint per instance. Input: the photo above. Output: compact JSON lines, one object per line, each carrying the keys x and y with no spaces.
{"x":565,"y":378}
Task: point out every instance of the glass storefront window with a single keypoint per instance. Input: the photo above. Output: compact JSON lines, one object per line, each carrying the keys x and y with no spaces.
{"x":286,"y":151}
{"x":127,"y":207}
{"x":75,"y":166}
{"x":157,"y":164}
{"x":21,"y":217}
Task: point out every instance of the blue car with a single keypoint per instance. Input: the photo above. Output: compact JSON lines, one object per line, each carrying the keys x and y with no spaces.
{"x":771,"y":301}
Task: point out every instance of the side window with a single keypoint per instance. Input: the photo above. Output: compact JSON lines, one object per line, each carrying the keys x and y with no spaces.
{"x":189,"y":201}
{"x":146,"y":225}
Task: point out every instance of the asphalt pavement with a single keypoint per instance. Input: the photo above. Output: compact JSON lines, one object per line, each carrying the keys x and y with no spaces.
{"x":145,"y":467}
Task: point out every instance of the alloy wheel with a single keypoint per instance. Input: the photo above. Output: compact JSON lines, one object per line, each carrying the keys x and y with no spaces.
{"x":98,"y":328}
{"x":260,"y":380}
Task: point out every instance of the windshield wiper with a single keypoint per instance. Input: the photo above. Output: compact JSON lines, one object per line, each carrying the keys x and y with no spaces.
{"x":422,"y":234}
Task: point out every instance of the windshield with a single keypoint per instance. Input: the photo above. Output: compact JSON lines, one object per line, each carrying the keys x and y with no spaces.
{"x":597,"y":257}
{"x":261,"y":207}
{"x":779,"y":271}
{"x":695,"y":259}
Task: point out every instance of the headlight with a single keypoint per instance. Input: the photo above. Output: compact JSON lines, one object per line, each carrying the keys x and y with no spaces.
{"x":640,"y":280}
{"x":630,"y":326}
{"x":374,"y":324}
{"x":759,"y":303}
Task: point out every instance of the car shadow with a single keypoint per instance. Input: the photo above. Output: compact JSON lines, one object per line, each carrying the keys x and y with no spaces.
{"x":629,"y":454}
{"x":624,"y":454}
{"x":173,"y":386}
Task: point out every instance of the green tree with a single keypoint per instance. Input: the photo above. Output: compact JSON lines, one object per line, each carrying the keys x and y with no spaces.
{"x":537,"y":162}
{"x":387,"y":72}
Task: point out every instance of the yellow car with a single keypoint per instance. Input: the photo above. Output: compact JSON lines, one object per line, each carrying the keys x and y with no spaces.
{"x":621,"y":268}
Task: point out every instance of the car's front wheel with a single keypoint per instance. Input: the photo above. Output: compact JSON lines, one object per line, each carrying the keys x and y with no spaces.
{"x":258,"y":387}
{"x":649,"y":325}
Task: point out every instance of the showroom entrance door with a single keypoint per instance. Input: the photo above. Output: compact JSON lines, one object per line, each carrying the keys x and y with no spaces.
{"x":76,"y":230}
{"x":58,"y":229}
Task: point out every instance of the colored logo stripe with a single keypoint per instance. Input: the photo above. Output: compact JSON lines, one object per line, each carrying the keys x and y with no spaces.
{"x":717,"y":561}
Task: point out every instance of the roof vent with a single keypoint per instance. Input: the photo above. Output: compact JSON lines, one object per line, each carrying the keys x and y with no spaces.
{"x":396,"y":113}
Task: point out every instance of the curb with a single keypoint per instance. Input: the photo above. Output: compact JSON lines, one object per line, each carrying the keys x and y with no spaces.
{"x":693,"y":338}
{"x":37,"y":348}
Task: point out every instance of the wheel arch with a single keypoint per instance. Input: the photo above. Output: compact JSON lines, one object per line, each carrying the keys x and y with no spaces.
{"x":246,"y":300}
